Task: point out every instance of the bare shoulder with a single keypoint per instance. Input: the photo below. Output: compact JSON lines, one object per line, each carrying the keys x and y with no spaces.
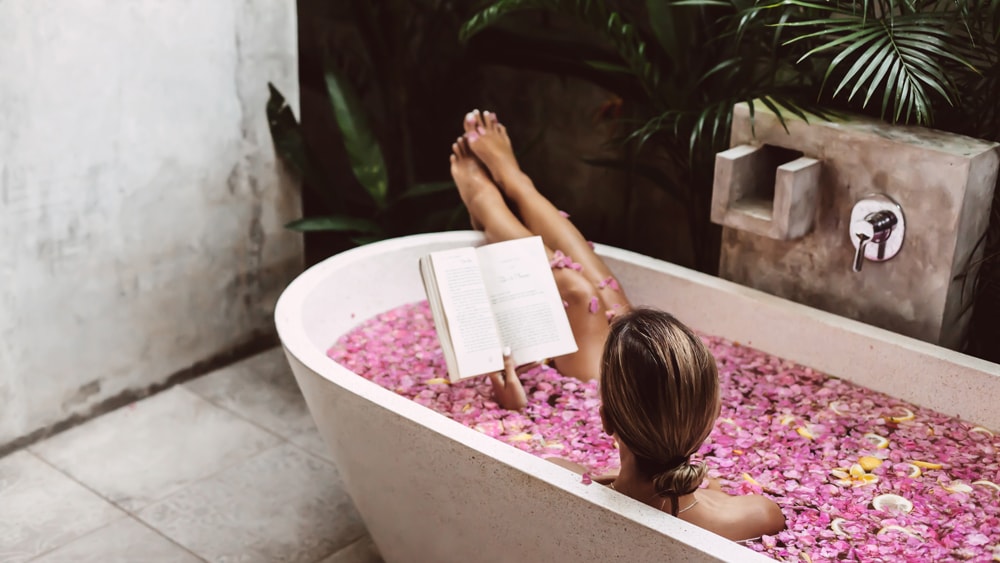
{"x":739,"y":517}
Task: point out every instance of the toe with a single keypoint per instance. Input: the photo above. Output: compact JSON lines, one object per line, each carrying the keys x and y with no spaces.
{"x":502,"y":130}
{"x":456,"y":149}
{"x":491,"y":120}
{"x":478,"y":118}
{"x":470,"y":122}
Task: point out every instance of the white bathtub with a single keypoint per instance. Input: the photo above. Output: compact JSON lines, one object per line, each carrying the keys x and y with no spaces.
{"x":430,"y":489}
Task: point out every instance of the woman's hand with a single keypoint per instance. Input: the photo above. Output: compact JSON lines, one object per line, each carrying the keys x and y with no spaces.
{"x":507,"y":389}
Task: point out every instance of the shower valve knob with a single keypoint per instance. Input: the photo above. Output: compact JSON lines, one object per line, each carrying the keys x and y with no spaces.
{"x":877,"y":229}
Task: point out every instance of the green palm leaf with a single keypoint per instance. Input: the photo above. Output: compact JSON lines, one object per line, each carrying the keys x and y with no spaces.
{"x":362,"y":147}
{"x":904,"y":55}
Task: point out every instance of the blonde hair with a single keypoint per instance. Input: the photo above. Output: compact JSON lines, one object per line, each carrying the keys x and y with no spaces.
{"x":660,"y":395}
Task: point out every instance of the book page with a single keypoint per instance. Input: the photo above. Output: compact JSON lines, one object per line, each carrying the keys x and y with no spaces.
{"x":466,"y":306}
{"x":529,"y":312}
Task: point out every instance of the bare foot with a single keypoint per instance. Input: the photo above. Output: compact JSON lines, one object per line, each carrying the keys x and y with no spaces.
{"x":474,"y":185}
{"x":489,"y":141}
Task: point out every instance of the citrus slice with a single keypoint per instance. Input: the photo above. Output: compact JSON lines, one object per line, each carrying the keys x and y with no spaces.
{"x":892,"y":503}
{"x":907,"y":415}
{"x":868,"y":462}
{"x":912,"y":471}
{"x":926,"y":464}
{"x":897,"y":528}
{"x":804,"y":432}
{"x":985,"y":483}
{"x":805,"y":557}
{"x":835,"y":526}
{"x":787,"y":419}
{"x":522,"y":437}
{"x":437,"y":380}
{"x":958,"y":487}
{"x":751,"y":480}
{"x":879,"y":442}
{"x":982,"y":430}
{"x":856,"y":471}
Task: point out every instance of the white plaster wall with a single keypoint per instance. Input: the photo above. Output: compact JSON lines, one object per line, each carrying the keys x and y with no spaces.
{"x":141,"y":206}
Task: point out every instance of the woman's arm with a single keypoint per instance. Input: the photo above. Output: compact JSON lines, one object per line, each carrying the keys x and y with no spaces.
{"x":507,"y":389}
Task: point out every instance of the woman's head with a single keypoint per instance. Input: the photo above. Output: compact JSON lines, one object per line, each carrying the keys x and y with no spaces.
{"x":660,"y":396}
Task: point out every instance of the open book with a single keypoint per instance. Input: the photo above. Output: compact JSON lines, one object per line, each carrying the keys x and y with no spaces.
{"x":492,"y":296}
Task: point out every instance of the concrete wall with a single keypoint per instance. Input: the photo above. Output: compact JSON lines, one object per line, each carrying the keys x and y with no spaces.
{"x":140,"y":201}
{"x":944,"y":184}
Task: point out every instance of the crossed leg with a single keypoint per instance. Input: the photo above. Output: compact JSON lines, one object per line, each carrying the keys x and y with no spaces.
{"x":591,"y":294}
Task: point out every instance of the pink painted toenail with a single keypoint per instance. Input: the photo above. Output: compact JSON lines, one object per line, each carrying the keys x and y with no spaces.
{"x":481,"y":129}
{"x":473,"y":136}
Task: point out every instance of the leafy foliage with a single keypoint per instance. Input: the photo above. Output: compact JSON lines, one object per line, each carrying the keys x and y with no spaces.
{"x":373,"y":58}
{"x":681,"y":65}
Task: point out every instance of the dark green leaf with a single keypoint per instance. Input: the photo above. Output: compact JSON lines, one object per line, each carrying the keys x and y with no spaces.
{"x":362,"y":147}
{"x":339,"y":223}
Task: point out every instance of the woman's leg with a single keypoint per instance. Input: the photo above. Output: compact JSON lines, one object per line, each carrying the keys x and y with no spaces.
{"x":488,"y":139}
{"x":587,"y":314}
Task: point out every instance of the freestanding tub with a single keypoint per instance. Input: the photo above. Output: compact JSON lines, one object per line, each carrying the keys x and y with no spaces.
{"x":431,"y":489}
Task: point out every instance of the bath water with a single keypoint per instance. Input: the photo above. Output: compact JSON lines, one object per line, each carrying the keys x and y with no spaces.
{"x":858,"y":474}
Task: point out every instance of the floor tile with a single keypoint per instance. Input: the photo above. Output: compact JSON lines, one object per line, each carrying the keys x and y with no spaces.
{"x":122,"y":541}
{"x":262,"y":389}
{"x":282,"y":505}
{"x":41,"y":509}
{"x":361,"y":551}
{"x":147,"y":450}
{"x":311,"y":441}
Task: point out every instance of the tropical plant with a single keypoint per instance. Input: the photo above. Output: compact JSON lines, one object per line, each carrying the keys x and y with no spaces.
{"x":680,"y":66}
{"x":379,"y":63}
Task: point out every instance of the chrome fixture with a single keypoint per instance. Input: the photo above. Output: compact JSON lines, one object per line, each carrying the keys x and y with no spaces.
{"x":877,"y":229}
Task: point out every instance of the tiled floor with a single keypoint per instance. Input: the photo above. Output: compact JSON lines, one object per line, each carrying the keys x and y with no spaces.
{"x":226,"y":468}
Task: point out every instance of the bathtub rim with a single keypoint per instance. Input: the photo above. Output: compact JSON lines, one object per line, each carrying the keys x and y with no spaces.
{"x":298,"y":344}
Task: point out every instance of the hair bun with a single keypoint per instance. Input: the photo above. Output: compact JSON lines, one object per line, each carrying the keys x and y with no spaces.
{"x":681,"y":479}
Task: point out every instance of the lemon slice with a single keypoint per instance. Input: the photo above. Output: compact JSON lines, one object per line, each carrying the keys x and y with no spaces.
{"x":805,"y":557}
{"x":804,"y":432}
{"x":892,"y":503}
{"x":908,"y":415}
{"x":985,"y":483}
{"x":522,"y":437}
{"x":958,"y":487}
{"x":982,"y":430}
{"x":751,"y":480}
{"x":840,"y":473}
{"x":835,"y":526}
{"x":879,"y":442}
{"x":437,"y":380}
{"x":856,"y":471}
{"x":912,"y":471}
{"x":896,"y":528}
{"x":787,"y":419}
{"x":729,"y":421}
{"x":835,"y":407}
{"x":926,"y":464}
{"x":868,"y":462}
